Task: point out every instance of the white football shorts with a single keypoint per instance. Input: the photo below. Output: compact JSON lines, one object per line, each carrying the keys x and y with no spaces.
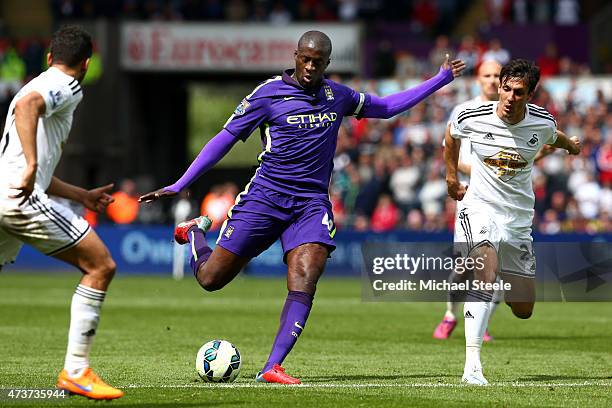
{"x":514,"y":245}
{"x":41,"y":222}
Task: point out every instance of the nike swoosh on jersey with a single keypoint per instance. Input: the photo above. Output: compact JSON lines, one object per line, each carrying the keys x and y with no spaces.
{"x":297,"y":324}
{"x":286,"y":98}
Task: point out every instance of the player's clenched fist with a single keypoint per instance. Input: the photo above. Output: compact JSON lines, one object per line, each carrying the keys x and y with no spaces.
{"x":575,"y":146}
{"x":456,"y":190}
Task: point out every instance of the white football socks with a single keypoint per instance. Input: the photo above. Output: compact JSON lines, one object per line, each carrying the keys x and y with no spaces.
{"x":84,"y":318}
{"x":476,"y":316}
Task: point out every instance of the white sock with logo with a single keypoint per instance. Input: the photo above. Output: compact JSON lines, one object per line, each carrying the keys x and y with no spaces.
{"x":476,"y":317}
{"x":84,"y":318}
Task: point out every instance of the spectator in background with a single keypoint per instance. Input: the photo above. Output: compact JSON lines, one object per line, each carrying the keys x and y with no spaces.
{"x":567,"y":12}
{"x":279,"y":15}
{"x":335,"y":197}
{"x":496,"y":52}
{"x":424,"y":16}
{"x":124,"y":209}
{"x":470,"y":53}
{"x":218,"y":202}
{"x":550,"y":224}
{"x":236,"y":10}
{"x":604,"y":161}
{"x":348,"y":10}
{"x":406,"y":65}
{"x":361,"y":223}
{"x":414,"y":220}
{"x":65,"y":9}
{"x":434,"y":222}
{"x":385,"y":216}
{"x":588,"y":194}
{"x":549,"y":61}
{"x":498,"y":11}
{"x":413,"y":130}
{"x":433,"y":194}
{"x":403,"y":183}
{"x":520,"y":13}
{"x":259,"y":14}
{"x":323,"y":13}
{"x":542,"y":11}
{"x":438,"y":53}
{"x":370,"y":190}
{"x":384,"y":62}
{"x":12,"y":67}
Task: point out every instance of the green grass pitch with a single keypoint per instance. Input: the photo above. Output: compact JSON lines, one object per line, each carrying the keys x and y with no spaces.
{"x":351,"y":353}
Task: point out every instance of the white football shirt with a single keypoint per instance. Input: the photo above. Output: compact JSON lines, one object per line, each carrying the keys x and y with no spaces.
{"x":61,"y":93}
{"x":465,"y":152}
{"x":502,"y":158}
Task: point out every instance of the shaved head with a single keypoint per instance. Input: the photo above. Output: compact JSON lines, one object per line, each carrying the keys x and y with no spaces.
{"x":488,"y":66}
{"x":316,"y":40}
{"x":488,"y":79}
{"x":312,"y":58}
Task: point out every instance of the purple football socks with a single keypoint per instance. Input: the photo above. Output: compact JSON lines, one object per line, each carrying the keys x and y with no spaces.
{"x":293,"y":319}
{"x":200,"y":251}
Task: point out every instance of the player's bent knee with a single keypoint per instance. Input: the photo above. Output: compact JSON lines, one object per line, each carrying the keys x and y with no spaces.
{"x":104,"y":270}
{"x":209,"y":282}
{"x":110,"y":268}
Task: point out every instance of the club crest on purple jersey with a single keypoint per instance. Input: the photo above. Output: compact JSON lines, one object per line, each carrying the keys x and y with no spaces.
{"x":329,"y":94}
{"x":242,"y":107}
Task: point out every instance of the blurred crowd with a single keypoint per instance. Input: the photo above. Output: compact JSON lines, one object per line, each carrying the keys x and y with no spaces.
{"x":424,"y":13}
{"x":471,"y":49}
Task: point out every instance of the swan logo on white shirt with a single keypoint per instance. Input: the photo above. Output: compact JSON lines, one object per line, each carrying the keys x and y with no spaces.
{"x":506,"y":163}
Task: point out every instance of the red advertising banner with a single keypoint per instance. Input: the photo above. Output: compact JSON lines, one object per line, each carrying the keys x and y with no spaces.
{"x":228,"y":47}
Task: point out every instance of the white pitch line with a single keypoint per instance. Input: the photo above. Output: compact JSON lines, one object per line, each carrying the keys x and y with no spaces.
{"x":377,"y":385}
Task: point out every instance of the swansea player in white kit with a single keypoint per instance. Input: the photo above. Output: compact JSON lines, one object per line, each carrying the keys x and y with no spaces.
{"x":494,"y":225}
{"x":488,"y":83}
{"x":37,"y":126}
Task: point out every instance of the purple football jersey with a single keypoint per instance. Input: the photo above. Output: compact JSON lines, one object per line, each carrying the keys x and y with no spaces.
{"x":299,"y":130}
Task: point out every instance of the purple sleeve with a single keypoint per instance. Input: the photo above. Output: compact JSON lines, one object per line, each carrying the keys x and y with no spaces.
{"x":389,"y":106}
{"x":250,"y":114}
{"x":210,"y":154}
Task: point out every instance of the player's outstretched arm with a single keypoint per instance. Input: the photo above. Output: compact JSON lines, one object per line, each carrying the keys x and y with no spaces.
{"x":210,"y":154}
{"x":543,"y":152}
{"x":96,"y":199}
{"x":571,"y":144}
{"x":391,"y":105}
{"x":456,"y":190}
{"x":27,"y":111}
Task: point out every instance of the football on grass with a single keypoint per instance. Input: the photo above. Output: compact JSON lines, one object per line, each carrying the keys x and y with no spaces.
{"x":218,"y":361}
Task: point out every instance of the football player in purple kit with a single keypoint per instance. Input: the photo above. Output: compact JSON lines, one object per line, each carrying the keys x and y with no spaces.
{"x":298,"y":114}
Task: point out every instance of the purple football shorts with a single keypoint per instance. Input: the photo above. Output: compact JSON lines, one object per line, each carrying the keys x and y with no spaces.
{"x":262,"y":215}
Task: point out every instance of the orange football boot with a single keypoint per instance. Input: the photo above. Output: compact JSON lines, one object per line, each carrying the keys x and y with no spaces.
{"x":88,"y":385}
